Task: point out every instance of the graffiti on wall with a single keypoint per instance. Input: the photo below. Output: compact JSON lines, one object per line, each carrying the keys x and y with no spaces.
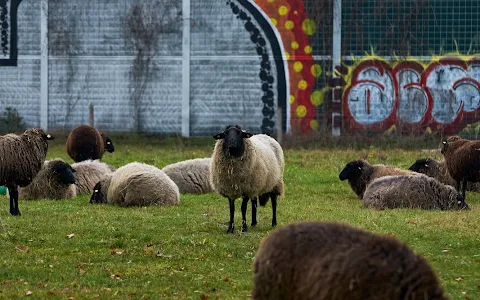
{"x":290,"y":21}
{"x":441,"y":95}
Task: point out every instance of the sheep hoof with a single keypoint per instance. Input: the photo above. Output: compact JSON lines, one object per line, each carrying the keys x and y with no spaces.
{"x":274,"y":224}
{"x":244,"y":227}
{"x":15,"y":213}
{"x":254,"y":224}
{"x":231,"y":228}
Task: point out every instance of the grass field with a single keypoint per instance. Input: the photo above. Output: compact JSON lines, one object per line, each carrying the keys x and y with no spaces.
{"x":73,"y":250}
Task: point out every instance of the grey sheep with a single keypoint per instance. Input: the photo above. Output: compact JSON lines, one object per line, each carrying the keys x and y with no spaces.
{"x":247,"y":166}
{"x":412,"y":191}
{"x":463,"y":161}
{"x":21,"y":158}
{"x":89,"y":173}
{"x":360,"y":173}
{"x":438,"y":170}
{"x":326,"y":260}
{"x":191,"y":176}
{"x":136,"y":184}
{"x":54,"y":181}
{"x":86,"y":142}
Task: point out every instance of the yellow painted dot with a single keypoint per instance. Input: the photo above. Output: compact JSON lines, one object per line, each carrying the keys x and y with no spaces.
{"x":314,"y":124}
{"x":309,"y":26}
{"x":302,"y":84}
{"x":316,"y":70}
{"x":287,"y":55}
{"x":294,"y":45}
{"x":292,"y":99}
{"x":316,"y":98}
{"x":298,"y":67}
{"x":307,"y":49}
{"x":274,"y":21}
{"x":289,"y":25}
{"x":301,"y":111}
{"x":282,"y":10}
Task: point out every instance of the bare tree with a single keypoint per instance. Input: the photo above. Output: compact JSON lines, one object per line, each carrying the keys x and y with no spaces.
{"x":144,"y":25}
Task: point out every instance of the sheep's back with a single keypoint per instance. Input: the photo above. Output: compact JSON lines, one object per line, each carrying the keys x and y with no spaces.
{"x":85,"y":142}
{"x":322,"y":260}
{"x":21,"y":159}
{"x":407,"y":191}
{"x":88,"y":173}
{"x":191,"y":176}
{"x":137,"y":184}
{"x":464,"y":160}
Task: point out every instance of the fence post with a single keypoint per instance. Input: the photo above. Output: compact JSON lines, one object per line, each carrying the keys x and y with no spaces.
{"x":336,"y":58}
{"x":186,"y":68}
{"x":44,"y":64}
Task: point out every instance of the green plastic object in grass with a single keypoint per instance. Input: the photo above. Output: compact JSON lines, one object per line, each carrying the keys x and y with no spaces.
{"x":3,"y":190}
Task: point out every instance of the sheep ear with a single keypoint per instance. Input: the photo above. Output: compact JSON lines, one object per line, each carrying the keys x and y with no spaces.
{"x":219,"y":136}
{"x":426,"y":165}
{"x":48,"y":137}
{"x":246,"y":135}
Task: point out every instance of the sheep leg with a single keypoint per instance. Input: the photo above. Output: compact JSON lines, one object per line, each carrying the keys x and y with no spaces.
{"x":244,"y":213}
{"x":254,"y":211}
{"x":231,"y":226}
{"x":13,"y":191}
{"x":274,"y":209}
{"x":464,"y":187}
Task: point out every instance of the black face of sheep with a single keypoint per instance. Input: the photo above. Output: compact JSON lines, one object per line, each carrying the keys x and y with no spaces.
{"x":420,"y":165}
{"x":98,"y":195}
{"x":109,"y":145}
{"x":64,"y":173}
{"x":351,"y":170}
{"x":233,"y":137}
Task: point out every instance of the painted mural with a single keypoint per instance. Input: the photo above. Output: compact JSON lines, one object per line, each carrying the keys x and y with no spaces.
{"x":8,"y":32}
{"x":294,"y":26}
{"x":441,"y":95}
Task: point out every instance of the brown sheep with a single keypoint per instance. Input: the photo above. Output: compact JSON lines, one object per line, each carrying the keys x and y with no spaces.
{"x":22,"y":157}
{"x":85,"y":142}
{"x":463,"y":161}
{"x":438,"y":170}
{"x":360,"y":173}
{"x":324,"y":260}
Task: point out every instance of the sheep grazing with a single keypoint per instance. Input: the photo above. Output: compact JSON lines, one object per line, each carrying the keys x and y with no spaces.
{"x":463,"y":160}
{"x":191,"y":176}
{"x":136,"y":184}
{"x":22,"y":157}
{"x":247,"y":166}
{"x":89,"y":173}
{"x":85,"y":142}
{"x":438,"y":170}
{"x":360,"y":173}
{"x":326,"y":260}
{"x":54,"y":181}
{"x":412,"y":191}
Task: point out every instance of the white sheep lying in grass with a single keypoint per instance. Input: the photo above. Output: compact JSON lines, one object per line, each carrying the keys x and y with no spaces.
{"x":191,"y":176}
{"x":136,"y":184}
{"x":89,"y":172}
{"x":247,"y":166}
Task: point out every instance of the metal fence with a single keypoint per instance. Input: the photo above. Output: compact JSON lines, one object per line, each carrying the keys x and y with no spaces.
{"x":188,"y":67}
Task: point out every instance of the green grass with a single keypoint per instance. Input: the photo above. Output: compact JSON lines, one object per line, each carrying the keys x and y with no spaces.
{"x":183,"y":252}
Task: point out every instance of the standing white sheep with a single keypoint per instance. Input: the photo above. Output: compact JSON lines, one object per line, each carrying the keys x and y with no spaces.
{"x":247,"y":166}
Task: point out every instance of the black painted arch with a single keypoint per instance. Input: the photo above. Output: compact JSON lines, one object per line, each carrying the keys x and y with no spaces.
{"x":277,"y":56}
{"x":11,"y":59}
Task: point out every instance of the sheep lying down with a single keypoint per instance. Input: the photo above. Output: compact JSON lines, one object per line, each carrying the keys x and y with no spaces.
{"x":412,"y":191}
{"x":323,"y":260}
